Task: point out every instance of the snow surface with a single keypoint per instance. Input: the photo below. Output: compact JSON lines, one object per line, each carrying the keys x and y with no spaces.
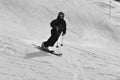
{"x":91,"y":48}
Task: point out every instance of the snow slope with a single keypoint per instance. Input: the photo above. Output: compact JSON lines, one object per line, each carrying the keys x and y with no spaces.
{"x":91,"y":45}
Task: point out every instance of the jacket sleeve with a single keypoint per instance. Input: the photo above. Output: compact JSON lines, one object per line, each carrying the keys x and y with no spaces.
{"x":64,"y":30}
{"x":53,"y":24}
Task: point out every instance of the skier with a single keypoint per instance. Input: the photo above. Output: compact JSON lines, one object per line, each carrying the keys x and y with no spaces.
{"x":58,"y":26}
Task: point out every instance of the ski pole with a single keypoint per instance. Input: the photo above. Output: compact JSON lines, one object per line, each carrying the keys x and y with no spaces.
{"x":57,"y":46}
{"x":57,"y":40}
{"x":62,"y":41}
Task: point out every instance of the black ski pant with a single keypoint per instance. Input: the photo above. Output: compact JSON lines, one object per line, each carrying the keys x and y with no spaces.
{"x":53,"y":38}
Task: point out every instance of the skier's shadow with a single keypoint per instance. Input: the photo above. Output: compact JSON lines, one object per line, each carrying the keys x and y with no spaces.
{"x":36,"y":54}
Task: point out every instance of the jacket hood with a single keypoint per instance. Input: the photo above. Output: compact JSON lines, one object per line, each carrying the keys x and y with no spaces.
{"x":60,"y":13}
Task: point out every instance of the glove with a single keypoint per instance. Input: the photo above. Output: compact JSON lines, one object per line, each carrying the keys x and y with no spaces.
{"x":57,"y":28}
{"x":63,"y":34}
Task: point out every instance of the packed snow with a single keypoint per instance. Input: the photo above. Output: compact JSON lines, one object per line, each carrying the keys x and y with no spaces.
{"x":91,"y":47}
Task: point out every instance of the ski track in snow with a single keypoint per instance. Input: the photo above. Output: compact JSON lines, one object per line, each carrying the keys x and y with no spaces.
{"x":80,"y":64}
{"x":91,"y":46}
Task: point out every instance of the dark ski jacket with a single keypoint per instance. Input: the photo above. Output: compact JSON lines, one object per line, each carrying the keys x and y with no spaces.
{"x":59,"y":25}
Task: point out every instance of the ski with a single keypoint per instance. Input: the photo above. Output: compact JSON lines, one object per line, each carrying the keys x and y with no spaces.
{"x":49,"y":51}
